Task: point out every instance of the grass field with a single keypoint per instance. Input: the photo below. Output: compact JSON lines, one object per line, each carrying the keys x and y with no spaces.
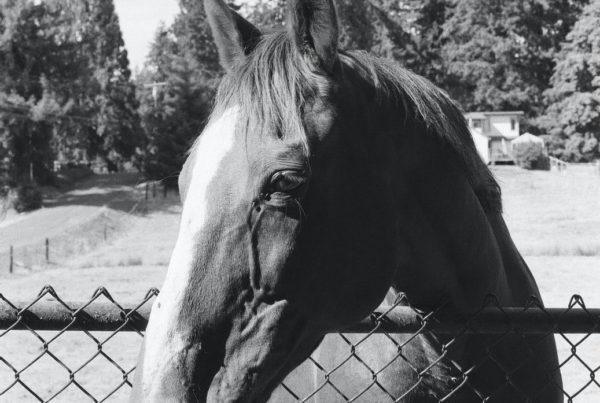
{"x":554,"y":219}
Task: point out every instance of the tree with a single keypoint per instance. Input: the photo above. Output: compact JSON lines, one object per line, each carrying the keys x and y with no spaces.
{"x":34,"y":47}
{"x":194,"y":35}
{"x":406,"y":31}
{"x":184,"y":59}
{"x":268,"y":15}
{"x":64,"y":84}
{"x":116,"y":126}
{"x":572,"y":117}
{"x":428,"y":41}
{"x":500,"y":54}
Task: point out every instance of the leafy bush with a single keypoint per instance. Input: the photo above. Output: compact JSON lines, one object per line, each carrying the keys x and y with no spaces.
{"x":531,"y":156}
{"x":542,"y":163}
{"x":580,"y":148}
{"x":28,"y":198}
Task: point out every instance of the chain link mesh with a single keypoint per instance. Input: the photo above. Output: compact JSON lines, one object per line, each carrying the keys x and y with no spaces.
{"x":52,"y":350}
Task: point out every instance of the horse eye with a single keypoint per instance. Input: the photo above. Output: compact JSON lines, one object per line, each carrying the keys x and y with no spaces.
{"x":287,"y":181}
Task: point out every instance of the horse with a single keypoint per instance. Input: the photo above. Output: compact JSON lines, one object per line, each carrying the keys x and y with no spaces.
{"x":323,"y":180}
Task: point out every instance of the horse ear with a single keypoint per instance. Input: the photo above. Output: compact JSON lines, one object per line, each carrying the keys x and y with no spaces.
{"x":235,"y":37}
{"x":313,"y":25}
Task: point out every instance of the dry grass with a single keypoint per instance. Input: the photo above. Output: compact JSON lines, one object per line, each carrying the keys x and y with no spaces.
{"x":553,"y":214}
{"x":554,"y":219}
{"x":148,"y":240}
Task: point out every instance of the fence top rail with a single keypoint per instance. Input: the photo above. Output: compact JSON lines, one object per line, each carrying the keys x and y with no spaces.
{"x":44,"y":315}
{"x":558,"y":161}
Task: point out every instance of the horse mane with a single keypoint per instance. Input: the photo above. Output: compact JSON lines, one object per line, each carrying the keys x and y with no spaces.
{"x":435,"y":110}
{"x":272,"y":85}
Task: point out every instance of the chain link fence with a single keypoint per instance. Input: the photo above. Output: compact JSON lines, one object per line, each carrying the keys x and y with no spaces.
{"x":53,"y":350}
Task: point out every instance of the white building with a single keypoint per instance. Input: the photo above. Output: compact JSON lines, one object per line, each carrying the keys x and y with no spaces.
{"x":493,"y":132}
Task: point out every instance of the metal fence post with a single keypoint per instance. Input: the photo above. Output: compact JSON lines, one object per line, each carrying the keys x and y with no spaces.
{"x":47,"y":250}
{"x":12,"y":261}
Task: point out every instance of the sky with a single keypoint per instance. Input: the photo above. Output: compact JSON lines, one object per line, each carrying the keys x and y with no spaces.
{"x":139,"y":20}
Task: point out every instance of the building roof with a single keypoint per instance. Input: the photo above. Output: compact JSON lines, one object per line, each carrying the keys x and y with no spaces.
{"x":475,"y":115}
{"x":483,"y":115}
{"x":527,"y":138}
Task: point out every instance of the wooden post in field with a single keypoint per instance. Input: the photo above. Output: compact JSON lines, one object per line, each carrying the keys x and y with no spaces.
{"x":154,"y":190}
{"x":12,"y":261}
{"x":47,"y":250}
{"x":146,"y":191}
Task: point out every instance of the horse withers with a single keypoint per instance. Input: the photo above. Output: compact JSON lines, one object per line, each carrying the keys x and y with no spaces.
{"x":323,"y":179}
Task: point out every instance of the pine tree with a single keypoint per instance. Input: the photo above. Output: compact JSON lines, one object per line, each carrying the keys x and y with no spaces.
{"x":499,"y":55}
{"x":184,"y":59}
{"x":64,"y":85}
{"x":573,"y":114}
{"x":116,"y":130}
{"x":428,"y":40}
{"x":406,"y":31}
{"x":195,"y":38}
{"x":36,"y":52}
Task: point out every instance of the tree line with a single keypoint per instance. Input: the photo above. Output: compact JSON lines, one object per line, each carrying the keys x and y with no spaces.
{"x":66,"y":85}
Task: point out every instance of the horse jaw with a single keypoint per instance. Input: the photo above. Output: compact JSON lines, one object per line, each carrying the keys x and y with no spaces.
{"x":261,"y":349}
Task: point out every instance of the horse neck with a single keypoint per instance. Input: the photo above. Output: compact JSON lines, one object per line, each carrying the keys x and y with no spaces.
{"x":451,"y":250}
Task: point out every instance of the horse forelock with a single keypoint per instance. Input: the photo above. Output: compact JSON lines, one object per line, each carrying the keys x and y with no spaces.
{"x":271,"y":88}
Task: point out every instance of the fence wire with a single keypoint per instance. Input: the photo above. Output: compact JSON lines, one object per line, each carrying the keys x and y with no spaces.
{"x":56,"y":351}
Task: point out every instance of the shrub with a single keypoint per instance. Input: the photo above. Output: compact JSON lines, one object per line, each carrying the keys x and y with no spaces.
{"x":581,"y":148}
{"x":531,"y":156}
{"x":28,"y":198}
{"x":573,"y":147}
{"x":555,"y":145}
{"x":542,"y":163}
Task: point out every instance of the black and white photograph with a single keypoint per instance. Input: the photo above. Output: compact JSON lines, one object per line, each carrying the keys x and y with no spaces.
{"x":300,"y":201}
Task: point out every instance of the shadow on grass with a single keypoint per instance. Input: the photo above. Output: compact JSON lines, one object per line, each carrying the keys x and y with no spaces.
{"x":116,"y":191}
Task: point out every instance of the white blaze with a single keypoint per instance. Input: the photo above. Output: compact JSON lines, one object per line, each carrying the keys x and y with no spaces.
{"x":162,"y":343}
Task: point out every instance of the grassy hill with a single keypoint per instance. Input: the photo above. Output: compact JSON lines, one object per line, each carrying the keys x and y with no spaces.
{"x":99,"y":222}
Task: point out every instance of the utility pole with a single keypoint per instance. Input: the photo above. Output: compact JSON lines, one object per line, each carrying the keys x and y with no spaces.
{"x":155,"y":88}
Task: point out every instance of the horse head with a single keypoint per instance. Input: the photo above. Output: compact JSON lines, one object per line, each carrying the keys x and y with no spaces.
{"x":283,"y":231}
{"x":322,"y":179}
